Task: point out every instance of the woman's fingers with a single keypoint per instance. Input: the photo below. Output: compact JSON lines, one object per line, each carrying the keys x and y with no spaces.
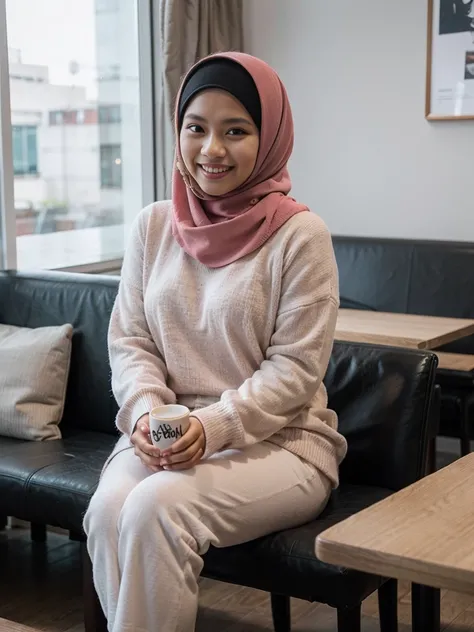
{"x":141,"y":437}
{"x":185,"y":442}
{"x":153,"y":462}
{"x":186,"y":465}
{"x":185,"y":455}
{"x":181,"y":455}
{"x":144,"y":448}
{"x":191,"y":435}
{"x":187,"y":451}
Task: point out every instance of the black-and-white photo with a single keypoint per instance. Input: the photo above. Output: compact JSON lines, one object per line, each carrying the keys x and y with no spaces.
{"x":456,"y":16}
{"x":469,"y":67}
{"x":450,"y":60}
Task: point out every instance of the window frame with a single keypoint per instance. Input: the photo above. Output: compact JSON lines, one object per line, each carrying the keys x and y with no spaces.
{"x":8,"y":259}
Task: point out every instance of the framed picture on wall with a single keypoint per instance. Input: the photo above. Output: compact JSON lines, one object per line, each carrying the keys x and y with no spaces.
{"x":450,"y":60}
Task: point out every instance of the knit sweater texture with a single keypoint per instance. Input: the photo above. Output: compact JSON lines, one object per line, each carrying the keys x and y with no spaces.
{"x":245,"y":346}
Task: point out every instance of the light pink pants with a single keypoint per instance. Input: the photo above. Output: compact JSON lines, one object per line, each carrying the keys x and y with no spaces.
{"x":147,"y":531}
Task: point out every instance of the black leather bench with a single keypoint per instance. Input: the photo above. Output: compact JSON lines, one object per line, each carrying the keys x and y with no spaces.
{"x":417,"y":277}
{"x":382,"y":395}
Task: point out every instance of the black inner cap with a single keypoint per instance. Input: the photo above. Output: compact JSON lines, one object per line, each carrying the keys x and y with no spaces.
{"x":227,"y":75}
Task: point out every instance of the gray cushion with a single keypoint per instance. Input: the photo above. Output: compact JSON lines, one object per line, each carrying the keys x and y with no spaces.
{"x":34,"y":369}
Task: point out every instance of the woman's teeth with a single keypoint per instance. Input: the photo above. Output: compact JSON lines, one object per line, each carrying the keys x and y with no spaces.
{"x":215,"y":169}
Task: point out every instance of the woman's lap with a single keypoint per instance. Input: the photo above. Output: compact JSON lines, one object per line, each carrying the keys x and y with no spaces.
{"x":239,"y":494}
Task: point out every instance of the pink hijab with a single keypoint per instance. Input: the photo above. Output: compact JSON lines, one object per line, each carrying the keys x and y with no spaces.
{"x":220,"y":230}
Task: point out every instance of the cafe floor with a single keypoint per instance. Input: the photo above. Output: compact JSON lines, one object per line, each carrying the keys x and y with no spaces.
{"x":40,"y":586}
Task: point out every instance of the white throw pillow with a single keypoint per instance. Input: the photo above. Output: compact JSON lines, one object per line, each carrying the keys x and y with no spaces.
{"x":34,"y":370}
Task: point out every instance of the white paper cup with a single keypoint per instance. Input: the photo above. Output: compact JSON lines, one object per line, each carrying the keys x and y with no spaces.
{"x":168,"y":424}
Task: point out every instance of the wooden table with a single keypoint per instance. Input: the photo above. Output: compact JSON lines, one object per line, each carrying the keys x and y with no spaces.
{"x":455,"y":361}
{"x":424,"y":533}
{"x":10,"y":626}
{"x":400,"y":330}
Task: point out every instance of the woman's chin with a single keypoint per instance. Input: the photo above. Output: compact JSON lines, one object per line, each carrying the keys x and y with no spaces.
{"x":216,"y":188}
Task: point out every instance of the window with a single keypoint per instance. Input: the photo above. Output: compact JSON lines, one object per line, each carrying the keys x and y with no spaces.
{"x":109,"y":114}
{"x":55,"y":118}
{"x":25,"y":153}
{"x":85,"y":116}
{"x":71,"y":125}
{"x":110,"y":167}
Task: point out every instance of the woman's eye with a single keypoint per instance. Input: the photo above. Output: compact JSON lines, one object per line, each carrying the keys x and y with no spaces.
{"x":196,"y":129}
{"x":235,"y":131}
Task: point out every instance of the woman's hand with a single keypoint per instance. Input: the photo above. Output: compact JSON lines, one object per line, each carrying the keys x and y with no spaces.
{"x":144,"y":448}
{"x":187,"y":451}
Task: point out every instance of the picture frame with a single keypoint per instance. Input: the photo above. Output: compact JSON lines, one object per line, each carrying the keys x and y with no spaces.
{"x":450,"y":60}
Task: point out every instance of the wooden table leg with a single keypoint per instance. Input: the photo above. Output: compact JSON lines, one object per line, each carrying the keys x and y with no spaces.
{"x":425,"y":608}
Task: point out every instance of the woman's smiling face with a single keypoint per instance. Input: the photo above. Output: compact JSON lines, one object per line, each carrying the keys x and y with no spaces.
{"x":218,"y":141}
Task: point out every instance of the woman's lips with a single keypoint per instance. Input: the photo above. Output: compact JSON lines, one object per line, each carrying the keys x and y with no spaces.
{"x":212,"y":172}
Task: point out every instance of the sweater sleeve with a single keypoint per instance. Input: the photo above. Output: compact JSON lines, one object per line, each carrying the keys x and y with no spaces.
{"x":295,"y":361}
{"x":138,"y":370}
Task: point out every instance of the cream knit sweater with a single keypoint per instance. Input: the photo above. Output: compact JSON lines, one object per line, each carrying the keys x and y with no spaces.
{"x":246,"y":346}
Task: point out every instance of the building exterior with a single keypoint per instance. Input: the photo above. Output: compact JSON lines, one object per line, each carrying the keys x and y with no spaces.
{"x":77,"y":160}
{"x":119,"y":94}
{"x":66,"y":153}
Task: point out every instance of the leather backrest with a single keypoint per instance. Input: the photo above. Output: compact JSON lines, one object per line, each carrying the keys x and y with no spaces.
{"x":442,"y":284}
{"x":372,"y":273}
{"x":85,"y":301}
{"x":414,"y":277}
{"x":382,"y":396}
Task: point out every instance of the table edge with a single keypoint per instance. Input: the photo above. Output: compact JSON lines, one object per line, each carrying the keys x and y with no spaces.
{"x":453,"y":336}
{"x":411,"y":343}
{"x":394,"y":566}
{"x":378,"y":339}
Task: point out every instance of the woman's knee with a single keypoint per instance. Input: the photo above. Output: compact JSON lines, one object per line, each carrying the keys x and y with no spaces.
{"x":164,"y":497}
{"x":104,"y":510}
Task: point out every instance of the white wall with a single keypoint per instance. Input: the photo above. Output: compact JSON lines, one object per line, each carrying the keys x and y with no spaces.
{"x":365,"y":157}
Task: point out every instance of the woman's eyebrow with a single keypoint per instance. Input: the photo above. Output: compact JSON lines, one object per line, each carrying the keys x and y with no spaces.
{"x":237,"y":121}
{"x":195,"y":117}
{"x":229,"y":121}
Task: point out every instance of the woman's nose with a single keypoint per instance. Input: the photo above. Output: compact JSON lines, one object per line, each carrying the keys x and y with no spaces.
{"x":213,"y":147}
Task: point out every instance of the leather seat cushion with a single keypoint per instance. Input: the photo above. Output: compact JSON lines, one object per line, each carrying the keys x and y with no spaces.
{"x":286,"y":563}
{"x":51,"y":482}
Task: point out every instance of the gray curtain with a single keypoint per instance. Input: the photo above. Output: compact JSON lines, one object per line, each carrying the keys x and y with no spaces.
{"x":188,"y":31}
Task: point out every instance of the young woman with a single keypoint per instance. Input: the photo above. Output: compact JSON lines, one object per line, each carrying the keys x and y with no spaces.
{"x":227,"y":304}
